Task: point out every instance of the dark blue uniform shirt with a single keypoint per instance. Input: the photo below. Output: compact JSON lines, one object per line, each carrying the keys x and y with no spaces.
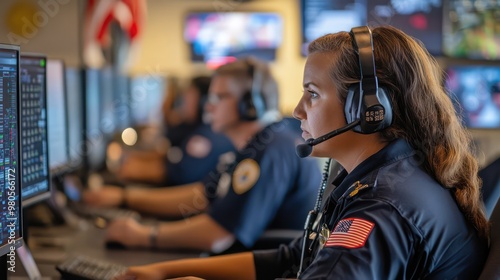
{"x":198,"y":154}
{"x":387,"y":219}
{"x":265,"y":187}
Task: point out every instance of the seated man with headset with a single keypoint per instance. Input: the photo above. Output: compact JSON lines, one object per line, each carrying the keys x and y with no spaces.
{"x":263,"y":186}
{"x":194,"y":148}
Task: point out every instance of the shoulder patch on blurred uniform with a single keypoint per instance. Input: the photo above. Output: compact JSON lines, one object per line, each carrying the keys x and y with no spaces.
{"x":350,"y":233}
{"x":198,"y":146}
{"x":245,"y":175}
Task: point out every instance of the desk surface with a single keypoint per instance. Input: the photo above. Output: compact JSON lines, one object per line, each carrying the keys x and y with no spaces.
{"x":51,"y":246}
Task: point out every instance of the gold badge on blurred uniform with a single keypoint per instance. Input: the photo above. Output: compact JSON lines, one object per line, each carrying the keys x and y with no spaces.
{"x":245,"y":175}
{"x":323,"y":235}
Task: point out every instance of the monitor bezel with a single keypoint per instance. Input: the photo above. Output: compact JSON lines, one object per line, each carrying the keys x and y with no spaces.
{"x":6,"y":248}
{"x":45,"y":195}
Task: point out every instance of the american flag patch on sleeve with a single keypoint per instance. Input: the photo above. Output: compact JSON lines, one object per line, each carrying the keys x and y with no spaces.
{"x":350,"y":233}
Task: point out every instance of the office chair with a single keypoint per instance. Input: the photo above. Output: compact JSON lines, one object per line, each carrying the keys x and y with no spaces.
{"x":491,"y":185}
{"x":491,"y":269}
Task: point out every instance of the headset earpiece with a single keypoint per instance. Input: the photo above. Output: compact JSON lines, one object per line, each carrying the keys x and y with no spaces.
{"x":252,"y":105}
{"x":367,"y":101}
{"x":247,"y":108}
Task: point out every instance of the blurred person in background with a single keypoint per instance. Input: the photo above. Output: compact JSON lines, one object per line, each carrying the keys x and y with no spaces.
{"x":193,"y":149}
{"x":265,"y":186}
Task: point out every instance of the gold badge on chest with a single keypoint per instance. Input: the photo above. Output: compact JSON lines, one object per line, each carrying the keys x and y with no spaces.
{"x":324,"y":234}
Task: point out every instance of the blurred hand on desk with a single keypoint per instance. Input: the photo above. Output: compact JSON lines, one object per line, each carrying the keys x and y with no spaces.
{"x":129,"y":233}
{"x":186,"y":278}
{"x":145,"y":272}
{"x":162,"y":202}
{"x":107,"y":196}
{"x":148,"y":167}
{"x":148,"y":272}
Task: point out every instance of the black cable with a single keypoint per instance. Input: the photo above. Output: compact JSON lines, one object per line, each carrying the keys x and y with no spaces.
{"x":313,"y":214}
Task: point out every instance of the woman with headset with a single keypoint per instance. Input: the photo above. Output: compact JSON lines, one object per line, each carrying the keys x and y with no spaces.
{"x":406,"y":205}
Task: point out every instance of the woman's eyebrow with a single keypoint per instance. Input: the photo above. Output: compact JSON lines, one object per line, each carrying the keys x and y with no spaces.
{"x":306,"y":85}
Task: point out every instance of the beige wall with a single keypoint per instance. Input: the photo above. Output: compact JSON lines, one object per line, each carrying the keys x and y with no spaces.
{"x":52,"y":29}
{"x":164,"y":50}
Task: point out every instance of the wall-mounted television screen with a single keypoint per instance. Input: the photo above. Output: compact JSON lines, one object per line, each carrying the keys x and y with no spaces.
{"x":472,"y":29}
{"x":422,"y":20}
{"x":222,"y":37}
{"x":419,"y":19}
{"x":475,"y":91}
{"x":320,"y":17}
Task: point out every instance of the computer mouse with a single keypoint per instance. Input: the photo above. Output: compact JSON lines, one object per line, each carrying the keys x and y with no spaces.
{"x":115,"y":245}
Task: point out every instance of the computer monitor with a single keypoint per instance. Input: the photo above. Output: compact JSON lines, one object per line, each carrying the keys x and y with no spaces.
{"x":95,"y":135}
{"x":146,"y":96}
{"x":121,"y":100}
{"x":75,"y":112}
{"x":57,"y":116}
{"x":108,"y":105}
{"x":34,"y":147}
{"x":475,"y":90}
{"x":11,"y":173}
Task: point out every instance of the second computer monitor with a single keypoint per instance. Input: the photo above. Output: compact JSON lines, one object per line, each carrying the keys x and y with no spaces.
{"x":96,"y":123}
{"x":35,"y":182}
{"x":57,"y":116}
{"x":75,"y":111}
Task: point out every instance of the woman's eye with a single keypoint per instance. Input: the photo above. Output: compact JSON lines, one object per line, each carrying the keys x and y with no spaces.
{"x":313,"y":94}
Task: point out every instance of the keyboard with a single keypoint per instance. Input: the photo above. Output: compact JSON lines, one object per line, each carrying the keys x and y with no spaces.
{"x":86,"y":268}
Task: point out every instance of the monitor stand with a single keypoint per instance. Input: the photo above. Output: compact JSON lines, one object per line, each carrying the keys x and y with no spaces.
{"x":28,"y":262}
{"x":24,"y":254}
{"x":3,"y":267}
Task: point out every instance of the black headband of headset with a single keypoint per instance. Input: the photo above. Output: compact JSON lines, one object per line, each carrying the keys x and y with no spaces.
{"x":363,"y":45}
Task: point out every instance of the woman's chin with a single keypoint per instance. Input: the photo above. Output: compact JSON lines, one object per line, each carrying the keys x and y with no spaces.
{"x":318,"y":153}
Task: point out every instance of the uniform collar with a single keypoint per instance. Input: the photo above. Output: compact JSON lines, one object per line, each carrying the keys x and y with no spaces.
{"x":394,"y":151}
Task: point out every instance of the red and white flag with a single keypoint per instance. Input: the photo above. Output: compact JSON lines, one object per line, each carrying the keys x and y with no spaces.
{"x":129,"y":14}
{"x":350,"y":233}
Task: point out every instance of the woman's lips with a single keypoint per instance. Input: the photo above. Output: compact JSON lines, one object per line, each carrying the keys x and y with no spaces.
{"x":306,"y":135}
